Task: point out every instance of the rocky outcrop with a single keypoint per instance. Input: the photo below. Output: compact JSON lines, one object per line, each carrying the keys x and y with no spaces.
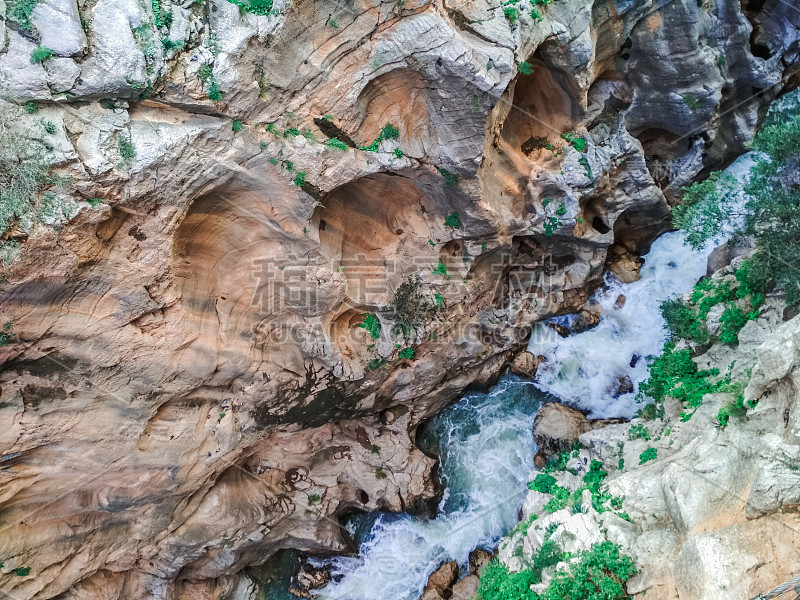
{"x":706,"y":511}
{"x":187,"y":386}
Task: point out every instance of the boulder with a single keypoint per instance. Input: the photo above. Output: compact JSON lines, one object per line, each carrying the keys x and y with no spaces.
{"x":624,"y":264}
{"x":478,"y":559}
{"x":442,"y":579}
{"x":524,"y":364}
{"x":466,"y":589}
{"x":557,"y":427}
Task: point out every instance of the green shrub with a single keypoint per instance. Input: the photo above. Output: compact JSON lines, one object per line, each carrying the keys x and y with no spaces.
{"x":648,"y":455}
{"x":376,"y":449}
{"x":651,"y":411}
{"x":95,"y":202}
{"x":375,"y":364}
{"x":389,"y":132}
{"x":22,"y":571}
{"x":594,"y":477}
{"x":407,"y":353}
{"x":127,"y":151}
{"x":300,"y":178}
{"x":453,"y":221}
{"x":371,"y":324}
{"x":573,"y":140}
{"x":510,"y":14}
{"x":441,"y":269}
{"x":771,"y":210}
{"x":380,"y":473}
{"x":21,"y":11}
{"x":690,"y":101}
{"x":683,"y":322}
{"x":599,"y":574}
{"x":450,"y":179}
{"x":525,"y":68}
{"x":7,"y":336}
{"x":536,"y":15}
{"x":31,"y":108}
{"x":638,"y":432}
{"x":543,"y":483}
{"x":438,"y":300}
{"x":336,"y":144}
{"x":40,"y":54}
{"x":260,"y":8}
{"x":205,"y":72}
{"x":214,"y":93}
{"x":314,"y":499}
{"x":398,"y":153}
{"x":550,"y":225}
{"x":409,"y":307}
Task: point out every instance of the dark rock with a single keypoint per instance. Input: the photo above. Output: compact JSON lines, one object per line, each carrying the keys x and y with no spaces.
{"x":478,"y":559}
{"x":620,"y":301}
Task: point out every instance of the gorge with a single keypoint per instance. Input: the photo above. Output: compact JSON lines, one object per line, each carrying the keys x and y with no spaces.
{"x":253,"y":252}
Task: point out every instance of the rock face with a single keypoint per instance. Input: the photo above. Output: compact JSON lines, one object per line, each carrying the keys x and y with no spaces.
{"x":715,"y":515}
{"x":189,"y":383}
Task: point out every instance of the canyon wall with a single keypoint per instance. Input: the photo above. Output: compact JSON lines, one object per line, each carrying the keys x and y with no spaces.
{"x":188,"y":383}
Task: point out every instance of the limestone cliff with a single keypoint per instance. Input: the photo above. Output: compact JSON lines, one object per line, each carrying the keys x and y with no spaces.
{"x":187,"y":386}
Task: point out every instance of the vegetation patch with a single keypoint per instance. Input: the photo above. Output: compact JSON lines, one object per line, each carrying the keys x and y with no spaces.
{"x":41,"y":54}
{"x":600,"y":573}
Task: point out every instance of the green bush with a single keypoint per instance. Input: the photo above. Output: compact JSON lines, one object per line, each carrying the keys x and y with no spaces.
{"x":237,"y":125}
{"x":127,"y":151}
{"x":638,"y":432}
{"x":21,"y":11}
{"x":409,"y":307}
{"x":300,"y":178}
{"x":525,"y":68}
{"x":690,"y":101}
{"x":314,"y":499}
{"x":543,"y":483}
{"x":573,"y":140}
{"x":648,"y":455}
{"x":371,"y":324}
{"x":7,"y":336}
{"x":407,"y":353}
{"x":683,"y":322}
{"x":450,"y":179}
{"x":380,"y":473}
{"x":453,"y":221}
{"x":31,"y":108}
{"x":40,"y":54}
{"x":771,"y":211}
{"x":599,"y":574}
{"x":255,"y":7}
{"x":214,"y":93}
{"x":336,"y":144}
{"x":389,"y":132}
{"x":510,"y":14}
{"x":375,"y":364}
{"x":205,"y":72}
{"x":441,"y":269}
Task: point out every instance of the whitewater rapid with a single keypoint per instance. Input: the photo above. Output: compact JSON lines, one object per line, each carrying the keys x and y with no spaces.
{"x":585,"y":370}
{"x":487,"y":455}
